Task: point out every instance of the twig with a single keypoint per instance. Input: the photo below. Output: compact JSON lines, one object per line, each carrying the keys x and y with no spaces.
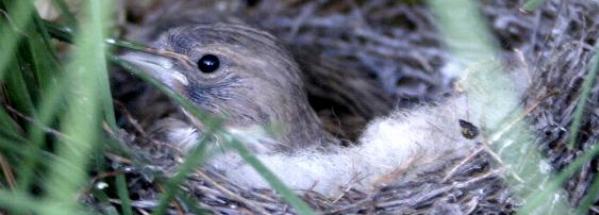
{"x":36,"y":123}
{"x":246,"y":202}
{"x":499,"y":134}
{"x":12,"y":24}
{"x":130,"y":118}
{"x":175,"y":202}
{"x":462,"y":163}
{"x":8,"y":173}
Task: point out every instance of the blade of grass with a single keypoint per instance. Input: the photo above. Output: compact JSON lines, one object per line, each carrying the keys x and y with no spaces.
{"x":26,"y":67}
{"x":50,"y":105}
{"x":19,"y":16}
{"x":300,"y":206}
{"x":37,"y":58}
{"x":20,"y":85}
{"x":193,"y":160}
{"x":536,"y":199}
{"x":587,"y":85}
{"x":7,"y":123}
{"x":589,"y":198}
{"x":103,"y":199}
{"x":10,"y":144}
{"x":18,"y":203}
{"x":43,"y":54}
{"x":69,"y":17}
{"x":464,"y":31}
{"x":191,"y":205}
{"x":17,"y":89}
{"x":66,"y":34}
{"x":22,"y":203}
{"x":14,"y":135}
{"x":45,"y":70}
{"x":81,"y":122}
{"x":123,"y":193}
{"x":60,"y":32}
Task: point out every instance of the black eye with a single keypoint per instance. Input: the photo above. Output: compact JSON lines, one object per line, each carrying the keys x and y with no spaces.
{"x":208,"y":63}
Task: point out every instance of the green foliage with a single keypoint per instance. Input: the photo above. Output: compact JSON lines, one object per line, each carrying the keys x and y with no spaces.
{"x":68,"y":99}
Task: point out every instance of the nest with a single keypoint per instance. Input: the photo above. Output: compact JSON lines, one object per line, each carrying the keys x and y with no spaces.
{"x":396,"y":43}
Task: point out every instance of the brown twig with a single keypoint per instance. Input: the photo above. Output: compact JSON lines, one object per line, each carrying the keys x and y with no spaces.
{"x":247,"y":202}
{"x":36,"y":123}
{"x":8,"y":173}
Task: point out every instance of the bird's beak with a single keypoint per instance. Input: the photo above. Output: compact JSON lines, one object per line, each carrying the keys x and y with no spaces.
{"x":163,"y":68}
{"x":167,"y":69}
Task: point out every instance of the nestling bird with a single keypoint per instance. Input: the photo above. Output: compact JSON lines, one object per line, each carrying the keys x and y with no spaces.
{"x":245,"y":76}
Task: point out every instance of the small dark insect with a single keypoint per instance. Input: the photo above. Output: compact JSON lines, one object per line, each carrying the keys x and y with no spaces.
{"x":469,"y":130}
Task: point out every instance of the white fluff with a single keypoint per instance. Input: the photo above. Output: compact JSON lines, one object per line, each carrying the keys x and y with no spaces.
{"x":401,"y":142}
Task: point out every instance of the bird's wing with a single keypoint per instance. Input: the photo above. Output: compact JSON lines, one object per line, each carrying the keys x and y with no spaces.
{"x":344,"y":97}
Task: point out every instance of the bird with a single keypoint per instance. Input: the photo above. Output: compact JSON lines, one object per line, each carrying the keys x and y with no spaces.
{"x":247,"y":77}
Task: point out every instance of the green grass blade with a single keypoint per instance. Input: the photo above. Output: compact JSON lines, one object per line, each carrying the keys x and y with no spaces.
{"x":191,"y":204}
{"x":64,"y":33}
{"x":69,"y":17}
{"x":43,"y":55}
{"x":536,"y":199}
{"x":587,"y":85}
{"x":19,"y":17}
{"x":81,"y":123}
{"x":18,"y":203}
{"x":60,"y":32}
{"x":192,"y":161}
{"x":106,"y":207}
{"x":44,"y":69}
{"x":7,"y":123}
{"x":589,"y":198}
{"x":12,"y":142}
{"x":271,"y":178}
{"x":17,"y":89}
{"x":464,"y":30}
{"x":46,"y":72}
{"x":49,"y":107}
{"x":123,"y":193}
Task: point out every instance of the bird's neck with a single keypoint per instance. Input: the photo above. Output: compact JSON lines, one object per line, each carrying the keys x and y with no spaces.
{"x":298,"y":128}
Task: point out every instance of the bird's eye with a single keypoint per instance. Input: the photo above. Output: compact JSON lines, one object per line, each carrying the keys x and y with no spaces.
{"x":208,"y":63}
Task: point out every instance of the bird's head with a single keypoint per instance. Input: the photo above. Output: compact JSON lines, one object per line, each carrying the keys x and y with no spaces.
{"x":236,"y":72}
